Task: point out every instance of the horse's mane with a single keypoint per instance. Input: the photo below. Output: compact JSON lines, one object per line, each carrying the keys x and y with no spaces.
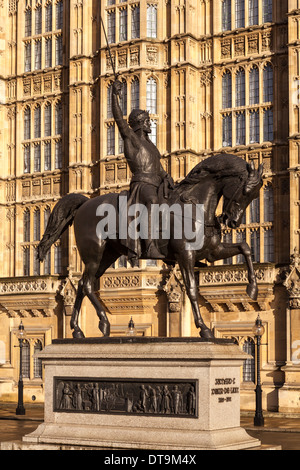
{"x":218,"y":165}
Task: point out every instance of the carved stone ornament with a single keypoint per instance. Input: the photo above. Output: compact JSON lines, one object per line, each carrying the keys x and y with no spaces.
{"x":292,"y":281}
{"x":174,"y":290}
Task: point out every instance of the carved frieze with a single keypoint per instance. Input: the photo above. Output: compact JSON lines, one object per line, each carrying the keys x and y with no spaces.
{"x":127,"y":396}
{"x":246,"y":44}
{"x":117,"y":282}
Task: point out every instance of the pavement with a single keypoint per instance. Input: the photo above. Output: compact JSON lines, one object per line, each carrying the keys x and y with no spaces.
{"x":278,"y":430}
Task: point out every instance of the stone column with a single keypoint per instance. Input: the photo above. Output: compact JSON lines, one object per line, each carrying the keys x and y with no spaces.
{"x":289,"y":394}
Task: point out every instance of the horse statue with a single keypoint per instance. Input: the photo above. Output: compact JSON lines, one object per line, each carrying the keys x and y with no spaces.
{"x":223,"y":175}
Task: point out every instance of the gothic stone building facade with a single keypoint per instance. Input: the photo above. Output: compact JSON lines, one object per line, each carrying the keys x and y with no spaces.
{"x":217,"y":76}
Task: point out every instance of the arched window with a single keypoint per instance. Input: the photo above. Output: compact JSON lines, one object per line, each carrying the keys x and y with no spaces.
{"x":255,"y":211}
{"x":47,"y":263}
{"x":36,"y":263}
{"x":36,"y":225}
{"x":239,"y":13}
{"x":47,"y":156}
{"x":48,"y":18}
{"x":253,"y":12}
{"x":109,"y":113}
{"x":268,"y":204}
{"x":58,"y":119}
{"x":123,"y":99}
{"x":151,"y":21}
{"x":57,"y":259}
{"x":268,"y":125}
{"x":267,"y":11}
{"x":26,"y":360}
{"x":153,"y":135}
{"x":58,"y":51}
{"x":269,"y":245}
{"x":27,"y":158}
{"x":240,"y":97}
{"x":226,"y":15}
{"x":255,"y":245}
{"x":135,"y":21}
{"x":27,"y":57}
{"x":38,"y":20}
{"x":254,"y":86}
{"x":110,"y":140}
{"x":111,"y":27}
{"x":37,"y":364}
{"x":152,"y":96}
{"x":135,"y":94}
{"x":28,"y":23}
{"x":227,"y":130}
{"x":58,"y":154}
{"x":26,"y":226}
{"x":37,"y":122}
{"x":254,"y":127}
{"x":26,"y":261}
{"x":48,"y":52}
{"x":47,"y":120}
{"x":240,"y":128}
{"x":37,"y":54}
{"x":123,"y":24}
{"x":59,"y":19}
{"x":268,"y":83}
{"x":249,"y":364}
{"x":227,"y":90}
{"x":27,"y":124}
{"x":37,"y":157}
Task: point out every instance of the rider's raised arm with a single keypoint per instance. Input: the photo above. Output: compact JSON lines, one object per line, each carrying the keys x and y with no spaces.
{"x":123,"y":126}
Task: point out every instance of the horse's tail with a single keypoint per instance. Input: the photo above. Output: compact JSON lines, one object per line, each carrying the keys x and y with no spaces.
{"x":60,"y":219}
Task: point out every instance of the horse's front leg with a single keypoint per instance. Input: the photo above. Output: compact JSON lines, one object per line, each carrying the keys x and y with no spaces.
{"x":227,"y":250}
{"x":186,"y":263}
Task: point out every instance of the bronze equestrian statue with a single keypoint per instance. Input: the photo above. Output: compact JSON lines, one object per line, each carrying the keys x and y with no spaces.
{"x":226,"y":176}
{"x":220,"y":175}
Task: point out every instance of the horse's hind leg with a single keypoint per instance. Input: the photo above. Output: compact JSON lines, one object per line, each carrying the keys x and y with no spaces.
{"x":92,"y":272}
{"x":89,"y":278}
{"x":77,"y":333}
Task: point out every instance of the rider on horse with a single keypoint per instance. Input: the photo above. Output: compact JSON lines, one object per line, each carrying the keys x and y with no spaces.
{"x":143,"y":159}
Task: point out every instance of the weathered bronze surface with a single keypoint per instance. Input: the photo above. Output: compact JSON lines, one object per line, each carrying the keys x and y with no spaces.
{"x":226,"y":176}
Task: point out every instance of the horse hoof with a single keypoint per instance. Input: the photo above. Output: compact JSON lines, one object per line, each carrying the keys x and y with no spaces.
{"x":77,"y":333}
{"x":104,"y":327}
{"x":252,"y":291}
{"x":206,"y":333}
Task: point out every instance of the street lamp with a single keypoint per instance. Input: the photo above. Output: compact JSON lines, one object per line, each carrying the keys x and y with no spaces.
{"x":258,"y":331}
{"x":131,"y":331}
{"x":21,"y":335}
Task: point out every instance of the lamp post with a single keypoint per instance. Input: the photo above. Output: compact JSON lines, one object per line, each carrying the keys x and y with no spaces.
{"x":131,"y":331}
{"x":258,"y":331}
{"x":21,"y":335}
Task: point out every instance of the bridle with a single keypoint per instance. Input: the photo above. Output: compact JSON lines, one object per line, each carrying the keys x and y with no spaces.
{"x":229,"y":202}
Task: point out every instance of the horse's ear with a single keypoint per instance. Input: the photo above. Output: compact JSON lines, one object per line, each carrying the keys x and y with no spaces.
{"x":254,"y":177}
{"x":260,"y":170}
{"x":251,"y":168}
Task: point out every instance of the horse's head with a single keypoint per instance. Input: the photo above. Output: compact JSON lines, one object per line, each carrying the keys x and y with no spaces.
{"x":238,"y":194}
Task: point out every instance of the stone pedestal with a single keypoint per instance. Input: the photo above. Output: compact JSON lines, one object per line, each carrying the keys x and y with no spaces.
{"x":143,"y":393}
